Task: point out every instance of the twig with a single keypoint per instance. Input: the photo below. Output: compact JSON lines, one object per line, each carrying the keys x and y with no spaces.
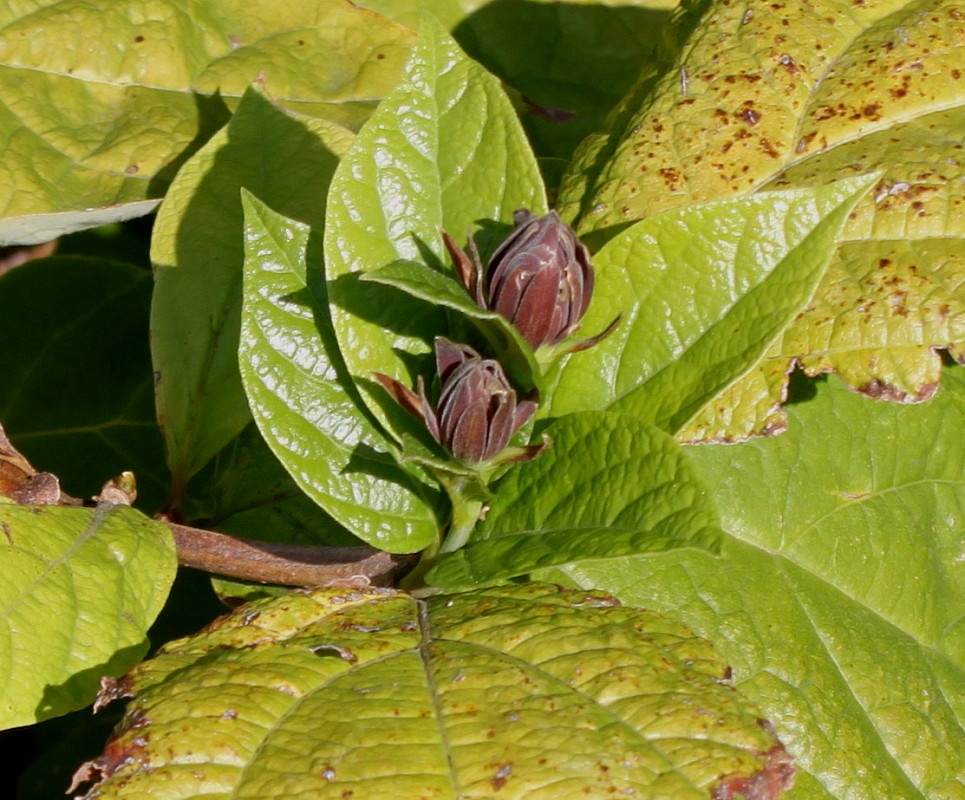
{"x":245,"y":559}
{"x":285,"y":564}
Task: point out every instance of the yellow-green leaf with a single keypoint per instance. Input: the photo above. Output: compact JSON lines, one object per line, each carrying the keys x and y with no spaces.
{"x":524,"y":692}
{"x":765,"y":97}
{"x":78,"y":589}
{"x":103,"y":100}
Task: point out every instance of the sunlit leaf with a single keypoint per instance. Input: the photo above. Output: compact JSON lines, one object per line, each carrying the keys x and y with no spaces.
{"x":840,"y":597}
{"x":702,"y":291}
{"x":198,"y":251}
{"x":609,"y":487}
{"x":79,"y":589}
{"x":339,"y":694}
{"x":444,"y":151}
{"x":298,"y":392}
{"x":103,"y":101}
{"x":762,"y":99}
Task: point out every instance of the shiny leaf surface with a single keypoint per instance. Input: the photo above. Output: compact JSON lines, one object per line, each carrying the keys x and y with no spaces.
{"x":302,"y":402}
{"x":444,"y":151}
{"x":703,"y":290}
{"x":610,"y":486}
{"x":801,"y":95}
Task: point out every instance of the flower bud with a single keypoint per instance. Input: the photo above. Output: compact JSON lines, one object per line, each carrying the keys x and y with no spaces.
{"x":540,"y":278}
{"x":478,"y":411}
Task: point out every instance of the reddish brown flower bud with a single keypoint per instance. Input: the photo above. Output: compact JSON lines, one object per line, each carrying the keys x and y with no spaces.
{"x":540,"y":278}
{"x":478,"y":411}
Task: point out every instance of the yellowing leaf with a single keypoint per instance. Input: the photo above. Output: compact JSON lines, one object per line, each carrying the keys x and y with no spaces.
{"x":524,"y":692}
{"x":800,"y":95}
{"x":102,"y":101}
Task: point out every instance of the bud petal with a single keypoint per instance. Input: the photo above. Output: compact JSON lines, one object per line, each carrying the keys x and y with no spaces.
{"x":540,"y":278}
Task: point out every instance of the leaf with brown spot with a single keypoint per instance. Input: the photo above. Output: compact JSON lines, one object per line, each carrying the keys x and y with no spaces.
{"x":528,"y":691}
{"x":803,"y":96}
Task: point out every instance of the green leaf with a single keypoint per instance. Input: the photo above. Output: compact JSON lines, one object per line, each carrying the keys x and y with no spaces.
{"x":760,"y":101}
{"x":79,"y":589}
{"x":105,"y":100}
{"x":703,"y":291}
{"x":444,"y":151}
{"x":198,"y":252}
{"x":840,"y":600}
{"x":372,"y":693}
{"x":300,"y":399}
{"x":439,"y":289}
{"x":610,"y":486}
{"x":76,"y":395}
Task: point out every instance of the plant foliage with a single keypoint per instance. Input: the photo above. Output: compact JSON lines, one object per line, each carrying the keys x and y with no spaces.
{"x":763,"y":186}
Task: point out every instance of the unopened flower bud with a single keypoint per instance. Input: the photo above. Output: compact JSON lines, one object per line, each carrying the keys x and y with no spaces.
{"x":540,"y":278}
{"x":478,"y":411}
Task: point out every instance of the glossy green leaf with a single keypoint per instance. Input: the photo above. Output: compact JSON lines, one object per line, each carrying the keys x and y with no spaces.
{"x":339,"y":694}
{"x":801,"y":96}
{"x":610,"y":486}
{"x":703,"y":291}
{"x":300,"y":399}
{"x":440,"y":289}
{"x":198,"y":251}
{"x":444,"y":151}
{"x":79,"y":589}
{"x":76,"y":394}
{"x":840,"y":599}
{"x":104,"y":100}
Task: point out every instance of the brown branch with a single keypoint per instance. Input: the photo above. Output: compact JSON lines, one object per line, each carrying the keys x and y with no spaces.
{"x":285,"y":564}
{"x":245,"y":559}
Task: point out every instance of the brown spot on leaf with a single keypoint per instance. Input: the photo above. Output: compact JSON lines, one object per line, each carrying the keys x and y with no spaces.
{"x":769,"y":148}
{"x":805,"y":142}
{"x":750,"y":116}
{"x":776,"y":777}
{"x":789,"y":64}
{"x":671,"y":177}
{"x":498,"y":781}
